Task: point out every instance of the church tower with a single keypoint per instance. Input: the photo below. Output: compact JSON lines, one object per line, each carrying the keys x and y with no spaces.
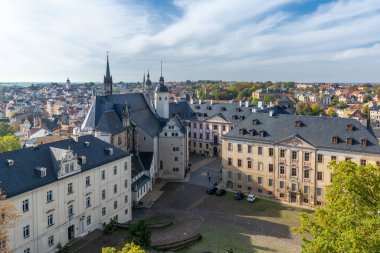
{"x":161,"y":98}
{"x":107,"y":80}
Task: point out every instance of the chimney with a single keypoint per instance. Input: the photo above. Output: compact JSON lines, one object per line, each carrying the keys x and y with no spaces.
{"x":240,"y":103}
{"x":86,"y":143}
{"x":260,"y":104}
{"x":246,"y":103}
{"x":191,"y":101}
{"x":10,"y":162}
{"x":108,"y":151}
{"x":271,"y":113}
{"x":211,"y":102}
{"x":200,"y":101}
{"x":82,"y":159}
{"x":270,"y":104}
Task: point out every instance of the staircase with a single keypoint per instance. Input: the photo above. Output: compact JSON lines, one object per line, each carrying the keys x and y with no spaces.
{"x":74,"y":245}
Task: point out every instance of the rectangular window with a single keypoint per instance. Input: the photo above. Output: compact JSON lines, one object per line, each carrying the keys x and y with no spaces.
{"x":229,"y":174}
{"x":115,"y":170}
{"x":103,"y":194}
{"x":67,"y":168}
{"x":126,"y":199}
{"x":239,"y":147}
{"x":363,"y":162}
{"x":88,"y":202}
{"x":125,"y":165}
{"x":260,"y":180}
{"x":282,"y":153}
{"x":115,"y":205}
{"x":200,"y":145}
{"x":71,"y":167}
{"x":319,"y":191}
{"x":70,"y":210}
{"x":282,"y":170}
{"x":126,"y":183}
{"x":249,"y":164}
{"x":49,"y":196}
{"x":25,"y":205}
{"x":200,"y":136}
{"x":2,"y":245}
{"x":307,"y":156}
{"x":26,"y":231}
{"x":319,"y":176}
{"x":115,"y":189}
{"x":306,"y":173}
{"x":26,"y":250}
{"x":50,"y":220}
{"x":294,"y":172}
{"x":229,"y":161}
{"x":215,"y":127}
{"x":294,"y":187}
{"x":333,"y":158}
{"x":88,"y":182}
{"x":70,"y":188}
{"x":320,"y":158}
{"x":270,"y":167}
{"x":270,"y":151}
{"x":126,"y":211}
{"x":88,"y":220}
{"x":270,"y":182}
{"x":294,"y":155}
{"x":306,"y":189}
{"x":239,"y":163}
{"x":103,"y":174}
{"x":51,"y":241}
{"x":282,"y":184}
{"x":260,"y":150}
{"x":249,"y":178}
{"x":103,"y":211}
{"x":239,"y":176}
{"x":249,"y":149}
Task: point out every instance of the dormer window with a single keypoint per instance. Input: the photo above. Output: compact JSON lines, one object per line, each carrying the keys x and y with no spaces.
{"x":255,"y":122}
{"x":350,"y":127}
{"x":363,"y":142}
{"x":238,"y":109}
{"x":262,"y":133}
{"x":242,"y":117}
{"x":197,"y":107}
{"x":223,"y":109}
{"x":209,"y":108}
{"x":204,"y":114}
{"x":298,"y":123}
{"x":241,"y":131}
{"x":252,"y":132}
{"x":349,"y":141}
{"x":334,"y":140}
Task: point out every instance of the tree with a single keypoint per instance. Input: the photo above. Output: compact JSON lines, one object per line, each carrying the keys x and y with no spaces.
{"x":269,"y":98}
{"x":140,"y":233}
{"x":9,"y":143}
{"x":365,"y":111}
{"x":331,"y":112}
{"x":128,"y":248}
{"x":6,"y":129}
{"x":350,"y":221}
{"x":7,"y":219}
{"x":315,"y":109}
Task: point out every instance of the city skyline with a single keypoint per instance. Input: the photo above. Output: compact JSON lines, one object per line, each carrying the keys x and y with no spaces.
{"x":287,"y":40}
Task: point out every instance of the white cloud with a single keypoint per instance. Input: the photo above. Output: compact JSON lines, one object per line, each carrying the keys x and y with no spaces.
{"x":218,"y":39}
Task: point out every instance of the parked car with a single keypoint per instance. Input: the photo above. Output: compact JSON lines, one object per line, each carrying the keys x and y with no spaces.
{"x":212,"y":190}
{"x":220,"y":192}
{"x":251,"y":198}
{"x":239,"y":196}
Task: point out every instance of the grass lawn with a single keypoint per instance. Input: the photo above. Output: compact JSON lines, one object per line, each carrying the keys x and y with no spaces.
{"x":245,"y":227}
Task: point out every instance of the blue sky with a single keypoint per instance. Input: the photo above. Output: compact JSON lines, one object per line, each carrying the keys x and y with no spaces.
{"x":248,"y":40}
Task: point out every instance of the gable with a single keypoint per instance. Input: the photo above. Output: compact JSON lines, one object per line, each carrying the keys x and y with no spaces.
{"x":217,"y":118}
{"x":295,"y":141}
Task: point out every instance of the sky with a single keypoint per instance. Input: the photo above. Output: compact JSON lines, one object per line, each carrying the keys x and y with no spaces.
{"x":232,"y":40}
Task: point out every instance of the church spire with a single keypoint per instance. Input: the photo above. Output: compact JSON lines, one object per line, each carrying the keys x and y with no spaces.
{"x":108,"y":79}
{"x":161,"y":82}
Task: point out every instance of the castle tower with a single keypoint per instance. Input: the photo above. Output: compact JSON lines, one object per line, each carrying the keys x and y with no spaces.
{"x":161,"y":98}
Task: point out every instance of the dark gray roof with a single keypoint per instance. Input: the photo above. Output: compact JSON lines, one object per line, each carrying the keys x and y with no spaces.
{"x":317,"y":131}
{"x":137,"y":166}
{"x":139,"y":112}
{"x":21,"y":177}
{"x":146,"y":159}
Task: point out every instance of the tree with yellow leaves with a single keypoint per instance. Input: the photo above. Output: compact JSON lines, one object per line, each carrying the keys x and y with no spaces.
{"x":8,"y":215}
{"x":128,"y":248}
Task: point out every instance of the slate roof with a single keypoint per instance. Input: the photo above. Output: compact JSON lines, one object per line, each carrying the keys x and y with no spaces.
{"x":316,"y":131}
{"x":139,"y":183}
{"x":21,"y":177}
{"x":113,"y":106}
{"x":231,"y":112}
{"x":137,"y":166}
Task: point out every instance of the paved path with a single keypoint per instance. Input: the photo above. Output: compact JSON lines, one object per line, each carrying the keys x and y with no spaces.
{"x":206,"y":172}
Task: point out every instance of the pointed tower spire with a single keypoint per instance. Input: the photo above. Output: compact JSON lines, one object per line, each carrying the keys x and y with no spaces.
{"x":161,"y":82}
{"x":144,"y":80}
{"x":108,"y":79}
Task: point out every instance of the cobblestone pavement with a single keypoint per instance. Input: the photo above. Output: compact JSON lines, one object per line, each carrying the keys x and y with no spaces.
{"x":206,"y":171}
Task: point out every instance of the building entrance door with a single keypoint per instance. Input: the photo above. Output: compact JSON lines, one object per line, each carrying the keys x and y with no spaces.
{"x":230,"y":184}
{"x":71,"y":232}
{"x":293,"y":197}
{"x":215,"y":151}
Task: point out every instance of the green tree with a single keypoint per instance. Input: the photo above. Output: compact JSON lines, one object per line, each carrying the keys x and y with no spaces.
{"x":350,"y":221}
{"x":9,"y":143}
{"x":365,"y":111}
{"x":6,"y":129}
{"x":140,"y":233}
{"x":269,"y":98}
{"x":315,"y":109}
{"x":331,"y":112}
{"x":367,"y":99}
{"x":128,"y":248}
